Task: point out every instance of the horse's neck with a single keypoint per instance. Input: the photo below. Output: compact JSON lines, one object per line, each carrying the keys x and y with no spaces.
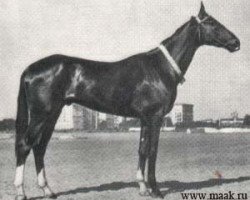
{"x":183,"y":45}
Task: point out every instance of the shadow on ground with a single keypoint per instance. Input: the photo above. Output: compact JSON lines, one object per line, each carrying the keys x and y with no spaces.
{"x":172,"y":186}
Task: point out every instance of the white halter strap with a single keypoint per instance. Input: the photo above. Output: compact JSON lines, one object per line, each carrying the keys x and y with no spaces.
{"x":172,"y":62}
{"x":170,"y":58}
{"x":201,"y":20}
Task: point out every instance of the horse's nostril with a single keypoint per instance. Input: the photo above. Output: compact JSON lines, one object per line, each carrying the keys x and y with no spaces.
{"x":235,"y":43}
{"x":238,"y":43}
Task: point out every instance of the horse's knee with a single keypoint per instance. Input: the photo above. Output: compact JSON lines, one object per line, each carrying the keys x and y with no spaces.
{"x":22,"y":150}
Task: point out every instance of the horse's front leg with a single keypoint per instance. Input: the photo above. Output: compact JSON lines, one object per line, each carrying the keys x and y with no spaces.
{"x":155,"y":126}
{"x":143,"y":155}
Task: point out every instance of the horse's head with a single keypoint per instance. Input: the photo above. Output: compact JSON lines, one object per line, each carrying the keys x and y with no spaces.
{"x":212,"y":32}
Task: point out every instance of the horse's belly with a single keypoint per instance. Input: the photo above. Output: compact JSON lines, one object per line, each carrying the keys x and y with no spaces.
{"x":102,"y":103}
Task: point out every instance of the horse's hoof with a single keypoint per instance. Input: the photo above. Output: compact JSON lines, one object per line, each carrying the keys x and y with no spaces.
{"x":20,"y":197}
{"x":144,"y":193}
{"x":51,"y":196}
{"x":156,"y":194}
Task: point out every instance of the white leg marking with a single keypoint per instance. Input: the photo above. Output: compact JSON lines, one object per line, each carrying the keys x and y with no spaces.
{"x":41,"y":179}
{"x":140,"y":179}
{"x":19,"y":180}
{"x":143,"y":188}
{"x":42,"y":182}
{"x":47,"y":191}
{"x":139,"y":175}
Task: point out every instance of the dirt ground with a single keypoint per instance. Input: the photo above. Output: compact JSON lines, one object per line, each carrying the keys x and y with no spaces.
{"x":103,"y":166}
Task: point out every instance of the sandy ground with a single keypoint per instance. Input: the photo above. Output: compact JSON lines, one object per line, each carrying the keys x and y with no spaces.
{"x":103,"y":166}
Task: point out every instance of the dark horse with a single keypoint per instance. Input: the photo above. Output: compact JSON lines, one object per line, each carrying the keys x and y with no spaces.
{"x":142,"y":86}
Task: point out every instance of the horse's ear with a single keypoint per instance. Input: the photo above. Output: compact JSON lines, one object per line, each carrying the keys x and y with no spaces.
{"x":202,"y":14}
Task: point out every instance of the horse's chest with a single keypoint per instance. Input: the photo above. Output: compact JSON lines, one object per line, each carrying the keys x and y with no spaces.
{"x":152,"y":96}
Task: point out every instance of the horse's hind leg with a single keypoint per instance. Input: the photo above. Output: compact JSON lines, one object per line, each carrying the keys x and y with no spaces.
{"x":39,"y":151}
{"x":22,"y":153}
{"x":24,"y":143}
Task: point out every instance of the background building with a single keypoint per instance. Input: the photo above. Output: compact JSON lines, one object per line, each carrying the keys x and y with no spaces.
{"x":84,"y":118}
{"x":181,"y":113}
{"x":231,"y":122}
{"x":110,"y":119}
{"x":77,"y":117}
{"x":65,"y":120}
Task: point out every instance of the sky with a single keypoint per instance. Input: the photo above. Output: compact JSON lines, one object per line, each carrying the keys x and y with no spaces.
{"x":217,"y":82}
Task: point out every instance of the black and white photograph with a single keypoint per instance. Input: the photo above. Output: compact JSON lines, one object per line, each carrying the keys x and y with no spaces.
{"x":125,"y":100}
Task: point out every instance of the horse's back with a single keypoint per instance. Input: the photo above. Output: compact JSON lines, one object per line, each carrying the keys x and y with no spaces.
{"x":105,"y":86}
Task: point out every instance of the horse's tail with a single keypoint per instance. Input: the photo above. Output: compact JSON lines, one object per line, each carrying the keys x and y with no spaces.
{"x":22,"y":112}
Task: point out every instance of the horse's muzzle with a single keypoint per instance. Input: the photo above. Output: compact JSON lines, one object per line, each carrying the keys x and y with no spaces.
{"x":233,"y":45}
